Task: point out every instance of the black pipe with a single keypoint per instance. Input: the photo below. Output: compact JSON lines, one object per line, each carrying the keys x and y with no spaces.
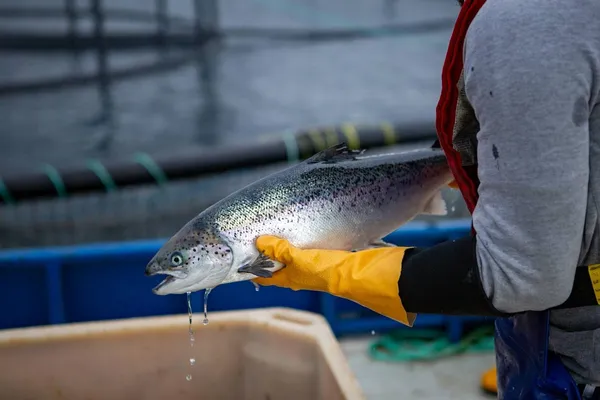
{"x":53,"y":42}
{"x":162,"y":21}
{"x":306,"y":143}
{"x":150,"y":67}
{"x":71,"y":14}
{"x":58,"y":13}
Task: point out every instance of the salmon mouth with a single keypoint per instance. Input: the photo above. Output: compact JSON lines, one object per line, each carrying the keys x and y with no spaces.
{"x":171,"y":277}
{"x":164,"y":283}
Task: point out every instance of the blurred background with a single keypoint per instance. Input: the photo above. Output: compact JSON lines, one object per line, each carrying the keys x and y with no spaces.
{"x":102,"y":81}
{"x":122,"y":119}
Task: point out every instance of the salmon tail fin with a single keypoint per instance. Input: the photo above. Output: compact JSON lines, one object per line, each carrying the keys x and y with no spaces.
{"x":334,"y":154}
{"x":436,"y":205}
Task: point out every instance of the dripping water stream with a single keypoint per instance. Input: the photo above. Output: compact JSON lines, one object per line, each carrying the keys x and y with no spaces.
{"x":191,"y":332}
{"x":190,"y":327}
{"x":206,"y":293}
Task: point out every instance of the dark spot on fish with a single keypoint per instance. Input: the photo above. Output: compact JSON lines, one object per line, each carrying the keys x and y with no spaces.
{"x":491,"y":94}
{"x":472,"y":69}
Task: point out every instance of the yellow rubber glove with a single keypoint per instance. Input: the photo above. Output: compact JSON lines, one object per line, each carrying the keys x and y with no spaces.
{"x":368,"y":277}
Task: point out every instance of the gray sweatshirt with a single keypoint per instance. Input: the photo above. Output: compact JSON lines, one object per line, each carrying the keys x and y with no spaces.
{"x":532,"y":74}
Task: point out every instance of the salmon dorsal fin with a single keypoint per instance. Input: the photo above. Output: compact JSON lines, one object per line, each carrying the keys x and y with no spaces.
{"x":334,"y":154}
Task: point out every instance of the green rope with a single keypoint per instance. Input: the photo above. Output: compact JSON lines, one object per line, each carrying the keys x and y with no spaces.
{"x":5,"y":194}
{"x":56,"y":179}
{"x":152,"y":167}
{"x":428,"y":344}
{"x":102,"y":173}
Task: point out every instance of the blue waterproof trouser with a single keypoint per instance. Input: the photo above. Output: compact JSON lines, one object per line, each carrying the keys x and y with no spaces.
{"x":526,"y":368}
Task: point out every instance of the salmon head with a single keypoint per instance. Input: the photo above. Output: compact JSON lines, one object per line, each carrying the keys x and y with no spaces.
{"x":195,"y":258}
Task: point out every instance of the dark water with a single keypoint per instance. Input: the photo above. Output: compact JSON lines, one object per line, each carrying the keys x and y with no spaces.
{"x":239,"y":90}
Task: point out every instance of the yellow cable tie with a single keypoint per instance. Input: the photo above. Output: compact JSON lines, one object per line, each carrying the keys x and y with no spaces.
{"x":351,"y":134}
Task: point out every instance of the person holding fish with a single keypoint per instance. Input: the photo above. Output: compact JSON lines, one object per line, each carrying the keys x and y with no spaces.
{"x":518,"y":125}
{"x":519,"y":122}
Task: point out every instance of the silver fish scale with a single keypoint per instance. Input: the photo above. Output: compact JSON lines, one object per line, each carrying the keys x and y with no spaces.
{"x":332,"y":205}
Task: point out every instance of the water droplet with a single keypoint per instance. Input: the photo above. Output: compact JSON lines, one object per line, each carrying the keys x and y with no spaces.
{"x":453,"y":209}
{"x":206,"y":293}
{"x":372,"y":332}
{"x":188,"y":378}
{"x":192,"y":361}
{"x":256,"y":286}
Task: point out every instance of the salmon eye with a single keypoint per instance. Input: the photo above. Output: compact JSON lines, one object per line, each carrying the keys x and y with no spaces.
{"x":176,"y":259}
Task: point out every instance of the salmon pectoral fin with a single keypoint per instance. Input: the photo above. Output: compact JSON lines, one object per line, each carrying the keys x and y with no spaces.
{"x":259,"y":267}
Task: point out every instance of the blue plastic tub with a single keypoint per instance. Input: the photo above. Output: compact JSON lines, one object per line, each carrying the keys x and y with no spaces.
{"x":107,"y":281}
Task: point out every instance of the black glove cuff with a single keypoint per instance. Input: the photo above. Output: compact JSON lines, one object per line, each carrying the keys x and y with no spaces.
{"x":582,"y":294}
{"x":444,"y":279}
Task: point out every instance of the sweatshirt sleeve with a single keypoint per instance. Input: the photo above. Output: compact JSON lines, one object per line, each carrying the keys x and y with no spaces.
{"x":529,"y":81}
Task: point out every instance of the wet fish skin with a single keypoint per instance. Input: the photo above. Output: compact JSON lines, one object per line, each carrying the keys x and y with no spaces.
{"x":337,"y":199}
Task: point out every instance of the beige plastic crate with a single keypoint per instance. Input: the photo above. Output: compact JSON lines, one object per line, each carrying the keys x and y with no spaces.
{"x":263,"y":354}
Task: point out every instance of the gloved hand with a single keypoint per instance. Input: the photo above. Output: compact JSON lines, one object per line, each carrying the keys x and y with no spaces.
{"x":367,"y":277}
